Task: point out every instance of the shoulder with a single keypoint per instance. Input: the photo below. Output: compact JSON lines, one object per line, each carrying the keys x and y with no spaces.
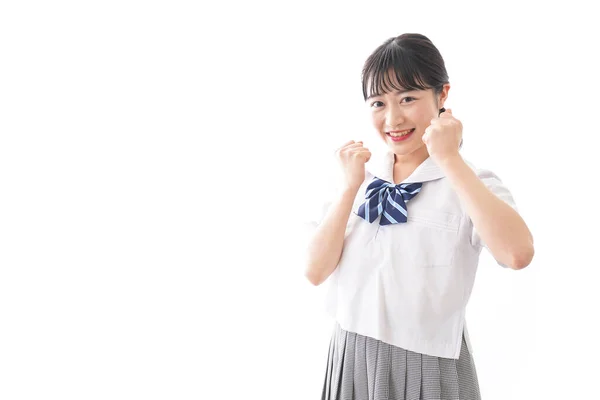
{"x":494,"y":184}
{"x":482,"y":173}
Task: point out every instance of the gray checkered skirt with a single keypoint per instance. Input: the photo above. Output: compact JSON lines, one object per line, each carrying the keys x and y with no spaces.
{"x":363,"y":368}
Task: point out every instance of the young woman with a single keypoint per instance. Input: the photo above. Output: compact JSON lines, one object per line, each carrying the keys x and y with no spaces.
{"x":400,"y":242}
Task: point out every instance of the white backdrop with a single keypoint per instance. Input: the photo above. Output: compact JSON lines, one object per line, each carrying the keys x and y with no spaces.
{"x":157,"y":159}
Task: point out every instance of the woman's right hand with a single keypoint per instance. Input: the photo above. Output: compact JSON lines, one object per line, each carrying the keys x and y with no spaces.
{"x":352,"y":157}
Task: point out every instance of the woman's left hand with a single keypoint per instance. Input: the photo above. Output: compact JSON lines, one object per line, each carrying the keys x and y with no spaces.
{"x":443,"y":137}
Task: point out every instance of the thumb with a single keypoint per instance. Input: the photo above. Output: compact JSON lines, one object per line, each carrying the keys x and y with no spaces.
{"x":447,"y":113}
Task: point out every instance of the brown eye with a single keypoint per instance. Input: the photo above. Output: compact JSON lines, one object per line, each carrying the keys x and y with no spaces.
{"x":373,"y":104}
{"x":408,"y":99}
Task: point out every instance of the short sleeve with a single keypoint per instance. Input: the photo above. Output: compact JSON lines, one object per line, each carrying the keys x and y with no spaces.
{"x":317,"y":212}
{"x":496,"y":186}
{"x":321,"y":200}
{"x":318,"y":200}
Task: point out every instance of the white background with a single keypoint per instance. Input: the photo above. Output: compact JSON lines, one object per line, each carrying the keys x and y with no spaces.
{"x":156,"y":159}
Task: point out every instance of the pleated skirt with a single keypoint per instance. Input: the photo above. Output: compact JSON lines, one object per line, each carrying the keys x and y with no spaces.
{"x":363,"y":368}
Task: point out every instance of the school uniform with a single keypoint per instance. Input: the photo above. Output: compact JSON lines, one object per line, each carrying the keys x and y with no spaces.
{"x":400,"y":290}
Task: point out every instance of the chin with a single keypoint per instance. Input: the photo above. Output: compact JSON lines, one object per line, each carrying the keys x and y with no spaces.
{"x":405,"y":149}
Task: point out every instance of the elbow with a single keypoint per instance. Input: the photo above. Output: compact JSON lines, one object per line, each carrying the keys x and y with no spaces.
{"x":313,"y":274}
{"x":314,"y":278}
{"x":318,"y":269}
{"x":317,"y":273}
{"x":522,"y":258}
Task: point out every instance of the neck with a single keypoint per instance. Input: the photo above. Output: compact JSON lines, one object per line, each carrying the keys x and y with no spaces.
{"x":405,"y":165}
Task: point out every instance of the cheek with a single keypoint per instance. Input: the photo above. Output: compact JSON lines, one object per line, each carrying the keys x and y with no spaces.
{"x":422,"y":121}
{"x":377,"y":121}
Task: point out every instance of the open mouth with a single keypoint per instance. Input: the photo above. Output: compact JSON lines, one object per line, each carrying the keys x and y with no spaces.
{"x":398,"y":136}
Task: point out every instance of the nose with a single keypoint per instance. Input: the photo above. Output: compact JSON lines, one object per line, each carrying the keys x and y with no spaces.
{"x":394,"y":116}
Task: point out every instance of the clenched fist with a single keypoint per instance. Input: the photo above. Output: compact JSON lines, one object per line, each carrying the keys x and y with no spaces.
{"x":352,"y":157}
{"x":443,"y":137}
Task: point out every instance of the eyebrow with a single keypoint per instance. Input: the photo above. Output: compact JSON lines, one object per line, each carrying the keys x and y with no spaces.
{"x":397,"y":92}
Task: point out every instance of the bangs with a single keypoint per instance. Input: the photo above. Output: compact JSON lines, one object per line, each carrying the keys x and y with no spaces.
{"x":381,"y":65}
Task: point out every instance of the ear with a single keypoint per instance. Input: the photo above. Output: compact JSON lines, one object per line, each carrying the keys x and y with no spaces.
{"x":443,"y":96}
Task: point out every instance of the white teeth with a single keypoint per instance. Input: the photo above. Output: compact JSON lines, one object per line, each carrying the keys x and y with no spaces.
{"x":395,"y":134}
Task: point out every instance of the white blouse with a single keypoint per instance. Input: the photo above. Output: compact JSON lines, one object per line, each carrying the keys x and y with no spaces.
{"x":408,"y":284}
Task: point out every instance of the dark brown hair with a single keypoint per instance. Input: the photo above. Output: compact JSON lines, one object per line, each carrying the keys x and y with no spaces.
{"x":416,"y":61}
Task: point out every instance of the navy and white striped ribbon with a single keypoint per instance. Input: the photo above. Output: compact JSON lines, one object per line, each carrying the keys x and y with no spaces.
{"x":388,"y":200}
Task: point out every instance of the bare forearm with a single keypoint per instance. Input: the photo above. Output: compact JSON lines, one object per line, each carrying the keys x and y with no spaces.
{"x":325,"y":247}
{"x":498,"y":224}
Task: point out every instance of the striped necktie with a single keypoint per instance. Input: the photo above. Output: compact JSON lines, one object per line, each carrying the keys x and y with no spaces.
{"x":388,"y":200}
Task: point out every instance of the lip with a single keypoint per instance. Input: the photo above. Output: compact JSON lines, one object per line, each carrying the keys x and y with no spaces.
{"x":400,"y":138}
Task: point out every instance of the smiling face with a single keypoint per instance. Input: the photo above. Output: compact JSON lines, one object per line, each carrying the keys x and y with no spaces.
{"x":404,"y":84}
{"x":400,"y":116}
